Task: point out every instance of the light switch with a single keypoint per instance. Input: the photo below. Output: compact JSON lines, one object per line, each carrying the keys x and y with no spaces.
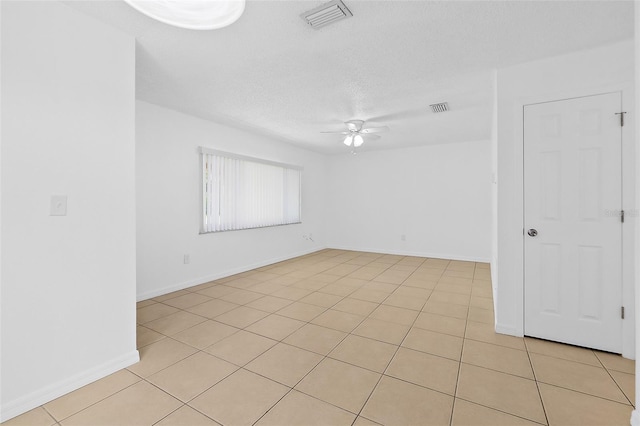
{"x":58,"y":205}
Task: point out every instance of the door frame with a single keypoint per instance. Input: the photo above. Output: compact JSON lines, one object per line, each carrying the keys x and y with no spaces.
{"x":628,"y":201}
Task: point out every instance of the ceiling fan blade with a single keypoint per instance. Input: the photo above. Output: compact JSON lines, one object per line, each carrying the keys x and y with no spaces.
{"x":339,"y":133}
{"x":380,"y":129}
{"x":354,"y":125}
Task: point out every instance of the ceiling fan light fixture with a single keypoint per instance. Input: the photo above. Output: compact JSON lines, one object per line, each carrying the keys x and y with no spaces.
{"x":358,"y":140}
{"x":347,"y":141}
{"x":191,"y":14}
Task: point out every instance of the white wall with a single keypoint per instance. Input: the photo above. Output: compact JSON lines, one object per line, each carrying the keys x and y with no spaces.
{"x":168,"y":208}
{"x":68,"y":283}
{"x":605,"y":69}
{"x":437,"y":196}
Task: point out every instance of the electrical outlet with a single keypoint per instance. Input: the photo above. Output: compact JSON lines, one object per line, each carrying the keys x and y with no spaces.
{"x":187,"y":259}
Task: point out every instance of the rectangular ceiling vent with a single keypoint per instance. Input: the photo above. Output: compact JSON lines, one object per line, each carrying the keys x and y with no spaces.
{"x":326,"y":14}
{"x":441,"y":107}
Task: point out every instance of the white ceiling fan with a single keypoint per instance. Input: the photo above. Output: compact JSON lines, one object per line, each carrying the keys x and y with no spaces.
{"x":356,"y":133}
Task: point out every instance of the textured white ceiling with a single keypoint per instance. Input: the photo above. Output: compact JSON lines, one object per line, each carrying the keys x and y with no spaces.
{"x":271,"y":73}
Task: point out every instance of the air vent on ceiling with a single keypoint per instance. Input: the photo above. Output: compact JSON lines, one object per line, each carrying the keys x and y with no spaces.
{"x":441,"y":107}
{"x":326,"y":14}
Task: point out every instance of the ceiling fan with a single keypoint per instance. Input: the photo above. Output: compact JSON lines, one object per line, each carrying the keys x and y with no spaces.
{"x":356,"y":133}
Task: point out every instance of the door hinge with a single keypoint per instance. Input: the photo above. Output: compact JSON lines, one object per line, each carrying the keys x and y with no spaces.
{"x":621,"y":114}
{"x":622,"y":216}
{"x":622,"y":312}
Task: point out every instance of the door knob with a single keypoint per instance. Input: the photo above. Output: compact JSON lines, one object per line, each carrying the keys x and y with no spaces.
{"x":532,"y":232}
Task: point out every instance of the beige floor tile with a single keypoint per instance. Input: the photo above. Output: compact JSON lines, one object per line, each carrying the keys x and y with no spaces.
{"x":312,"y":285}
{"x":380,"y":286}
{"x":202,"y":286}
{"x":351,"y":281}
{"x":355,"y":306}
{"x":414,"y":292}
{"x":363,"y":352}
{"x":627,"y":383}
{"x":241,"y":347}
{"x":292,"y":293}
{"x":299,"y":409}
{"x":448,"y":279}
{"x":340,"y":384}
{"x":140,"y":404}
{"x":160,"y":355}
{"x":269,"y":304}
{"x":267,"y":287}
{"x":284,"y":363}
{"x":481,"y":302}
{"x":217,"y":291}
{"x":469,"y":414}
{"x":337,"y":320}
{"x":242,"y":297}
{"x":395,"y":402}
{"x":315,"y":338}
{"x":566,"y":408}
{"x":301,"y":311}
{"x":188,"y":378}
{"x":576,"y":376}
{"x":498,"y":358}
{"x":205,"y":334}
{"x":321,"y":299}
{"x":392,"y":277}
{"x":486,"y":333}
{"x":325,"y":278}
{"x":481,"y":292}
{"x":175,"y":323}
{"x":153,"y":312}
{"x":241,"y":317}
{"x":446,"y":309}
{"x":143,"y":303}
{"x":454,"y":288}
{"x":394,"y":314}
{"x":342,"y":270}
{"x":240,"y":399}
{"x":501,"y":391}
{"x":187,"y":300}
{"x":559,"y":350}
{"x":441,"y":324}
{"x":616,"y":362}
{"x":275,"y":326}
{"x":407,"y":302}
{"x":367,"y":272}
{"x":36,"y":417}
{"x":427,"y":283}
{"x":171,"y":295}
{"x":212,"y":308}
{"x":382,"y":330}
{"x":447,"y":297}
{"x":146,"y":336}
{"x":481,"y":315}
{"x":434,"y":343}
{"x":337,"y":290}
{"x":186,"y":416}
{"x":374,"y":296}
{"x":78,"y":400}
{"x":426,"y":370}
{"x":362,"y":421}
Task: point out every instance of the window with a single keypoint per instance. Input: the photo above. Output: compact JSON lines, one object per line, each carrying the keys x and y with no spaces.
{"x":242,"y":192}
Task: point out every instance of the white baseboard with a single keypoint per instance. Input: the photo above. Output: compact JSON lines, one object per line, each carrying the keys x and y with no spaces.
{"x":412,"y":253}
{"x":635,"y":418}
{"x":50,"y":392}
{"x":222,"y":274}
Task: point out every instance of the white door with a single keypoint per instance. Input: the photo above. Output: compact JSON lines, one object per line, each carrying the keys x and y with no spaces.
{"x":573,"y":198}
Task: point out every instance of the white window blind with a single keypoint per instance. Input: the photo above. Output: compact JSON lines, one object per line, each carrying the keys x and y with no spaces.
{"x":242,"y":192}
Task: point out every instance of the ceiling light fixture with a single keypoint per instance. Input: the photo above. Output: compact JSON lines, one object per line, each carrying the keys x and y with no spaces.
{"x":191,"y":14}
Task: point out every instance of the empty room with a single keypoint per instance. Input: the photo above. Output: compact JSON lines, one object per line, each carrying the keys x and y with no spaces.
{"x":309,"y":212}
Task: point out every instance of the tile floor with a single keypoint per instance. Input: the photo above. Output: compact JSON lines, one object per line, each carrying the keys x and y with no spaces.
{"x":345,"y":338}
